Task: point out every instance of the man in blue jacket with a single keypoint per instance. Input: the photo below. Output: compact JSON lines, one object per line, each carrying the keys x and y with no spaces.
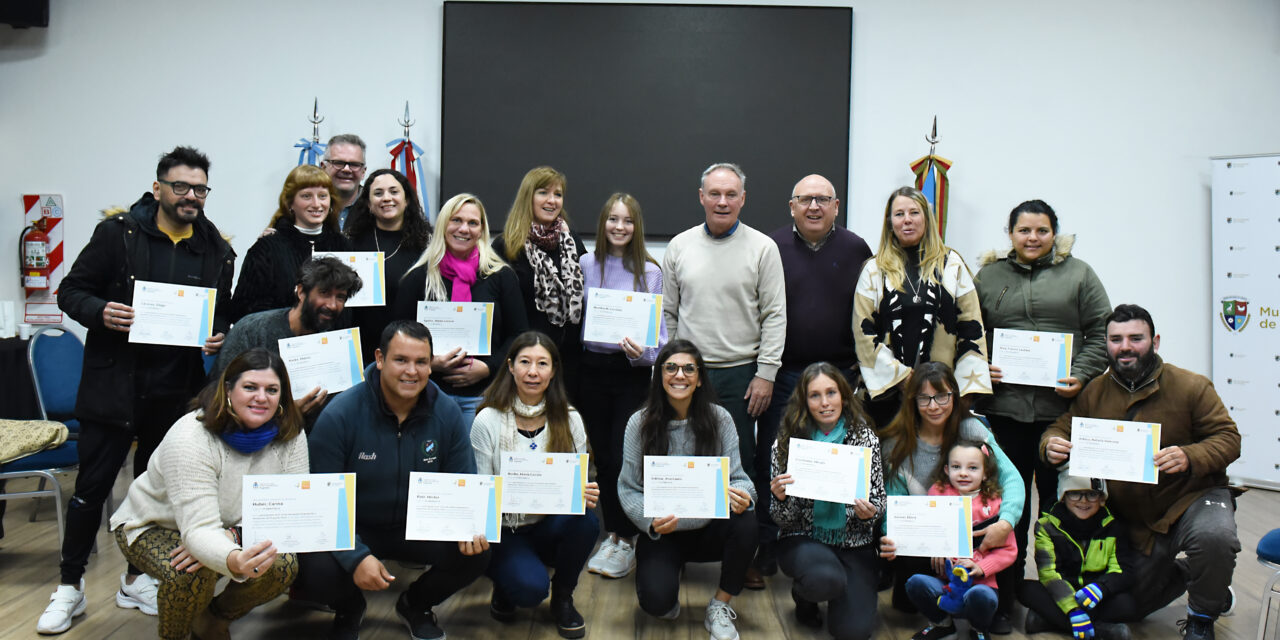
{"x":395,"y":422}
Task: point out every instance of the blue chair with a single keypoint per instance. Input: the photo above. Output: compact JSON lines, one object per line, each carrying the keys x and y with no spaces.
{"x":56,"y":356}
{"x":1269,"y":557}
{"x":62,"y":459}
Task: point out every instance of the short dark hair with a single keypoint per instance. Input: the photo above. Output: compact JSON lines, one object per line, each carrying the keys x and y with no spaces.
{"x":1127,"y":312}
{"x":410,"y":329}
{"x":1035,"y":207}
{"x":182,"y":156}
{"x":328,"y":272}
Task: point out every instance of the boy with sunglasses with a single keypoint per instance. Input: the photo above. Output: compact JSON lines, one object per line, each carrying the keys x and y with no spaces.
{"x":1084,"y":563}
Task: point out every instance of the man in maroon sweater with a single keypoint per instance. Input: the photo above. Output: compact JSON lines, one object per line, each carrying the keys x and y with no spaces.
{"x":821,"y":262}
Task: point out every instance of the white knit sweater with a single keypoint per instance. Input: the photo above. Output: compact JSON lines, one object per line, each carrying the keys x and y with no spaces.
{"x":494,"y":431}
{"x":193,"y":484}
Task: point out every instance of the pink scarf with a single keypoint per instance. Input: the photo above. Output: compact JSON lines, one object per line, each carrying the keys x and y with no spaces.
{"x":463,"y":273}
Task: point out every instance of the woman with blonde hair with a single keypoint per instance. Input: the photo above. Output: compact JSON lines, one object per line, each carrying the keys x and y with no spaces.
{"x":915,"y":303}
{"x":305,"y":221}
{"x":615,"y":376}
{"x":544,"y":252}
{"x":181,"y":520}
{"x":460,"y":266}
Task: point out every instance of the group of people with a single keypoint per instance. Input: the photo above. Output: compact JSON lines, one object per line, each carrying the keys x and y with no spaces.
{"x":801,"y":333}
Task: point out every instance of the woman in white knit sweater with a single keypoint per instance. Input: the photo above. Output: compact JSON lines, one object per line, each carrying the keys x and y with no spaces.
{"x":180,"y":522}
{"x":527,"y":410}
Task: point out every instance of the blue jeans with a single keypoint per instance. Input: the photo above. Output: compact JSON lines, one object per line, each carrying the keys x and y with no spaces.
{"x":520,"y":561}
{"x":468,"y":405}
{"x":979,"y":601}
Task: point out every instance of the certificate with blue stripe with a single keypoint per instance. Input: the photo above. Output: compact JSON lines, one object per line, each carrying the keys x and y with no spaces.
{"x":686,"y":486}
{"x":172,"y":314}
{"x":459,"y":325}
{"x":828,"y":471}
{"x":612,"y":315}
{"x":300,"y":513}
{"x":930,"y":526}
{"x":1115,"y":450}
{"x":543,"y":483}
{"x":1034,"y":358}
{"x":369,"y":266}
{"x":329,"y":360}
{"x":453,"y":507}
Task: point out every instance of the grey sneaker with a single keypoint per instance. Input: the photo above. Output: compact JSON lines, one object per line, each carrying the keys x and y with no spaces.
{"x":719,"y":623}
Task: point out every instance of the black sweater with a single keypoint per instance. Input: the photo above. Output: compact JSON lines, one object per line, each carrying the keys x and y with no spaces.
{"x":270,"y":270}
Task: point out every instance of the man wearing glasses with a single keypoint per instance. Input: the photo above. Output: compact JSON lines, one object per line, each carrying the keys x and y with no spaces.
{"x":821,"y":262}
{"x":344,"y":162}
{"x":723,"y":291}
{"x":134,"y":390}
{"x":1191,"y":509}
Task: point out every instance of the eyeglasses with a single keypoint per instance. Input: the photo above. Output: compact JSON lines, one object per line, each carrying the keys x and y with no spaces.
{"x":343,"y":164}
{"x":670,"y":368}
{"x":1077,"y":496}
{"x":822,"y":201}
{"x":943,"y":399}
{"x":183,"y":188}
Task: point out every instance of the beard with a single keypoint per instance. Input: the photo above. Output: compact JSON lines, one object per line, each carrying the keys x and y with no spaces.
{"x":316,"y":319}
{"x":172,"y":210}
{"x":1140,"y":368}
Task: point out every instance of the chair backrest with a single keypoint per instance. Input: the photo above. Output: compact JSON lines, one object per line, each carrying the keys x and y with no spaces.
{"x":56,"y":356}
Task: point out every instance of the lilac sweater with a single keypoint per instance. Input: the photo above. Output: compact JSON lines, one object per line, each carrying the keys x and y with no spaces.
{"x":617,"y":277}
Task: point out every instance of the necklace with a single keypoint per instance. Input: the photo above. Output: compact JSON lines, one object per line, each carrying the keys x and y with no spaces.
{"x":378,"y":245}
{"x":915,"y":289}
{"x":529,"y":411}
{"x":531,"y":435}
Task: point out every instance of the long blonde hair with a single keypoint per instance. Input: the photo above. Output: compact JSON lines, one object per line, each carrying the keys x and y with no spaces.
{"x":520,"y":218}
{"x":892,"y":258}
{"x":635,"y":255}
{"x":490,"y":261}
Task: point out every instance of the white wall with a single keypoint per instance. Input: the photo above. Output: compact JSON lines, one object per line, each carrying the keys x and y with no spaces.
{"x":1108,"y":111}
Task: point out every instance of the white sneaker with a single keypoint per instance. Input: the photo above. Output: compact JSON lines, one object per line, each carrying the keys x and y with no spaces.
{"x":720,"y":617}
{"x":66,"y":603}
{"x":1231,"y":603}
{"x":140,"y":595}
{"x":621,"y":562}
{"x":597,"y":561}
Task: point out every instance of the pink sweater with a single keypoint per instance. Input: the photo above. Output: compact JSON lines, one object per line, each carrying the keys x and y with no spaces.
{"x":995,"y":560}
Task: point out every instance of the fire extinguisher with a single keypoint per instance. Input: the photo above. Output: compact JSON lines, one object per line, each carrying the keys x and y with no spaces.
{"x":34,"y":249}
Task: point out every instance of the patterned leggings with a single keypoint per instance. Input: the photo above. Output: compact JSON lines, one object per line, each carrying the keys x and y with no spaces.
{"x":182,"y":596}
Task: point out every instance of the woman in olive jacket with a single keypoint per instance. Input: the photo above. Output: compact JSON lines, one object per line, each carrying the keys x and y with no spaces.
{"x":1038,"y":286}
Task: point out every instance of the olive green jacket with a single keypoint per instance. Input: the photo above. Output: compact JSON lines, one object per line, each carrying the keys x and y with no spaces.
{"x":1057,"y":293}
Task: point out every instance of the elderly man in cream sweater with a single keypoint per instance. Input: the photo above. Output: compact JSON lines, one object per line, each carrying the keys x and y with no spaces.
{"x":724,"y":291}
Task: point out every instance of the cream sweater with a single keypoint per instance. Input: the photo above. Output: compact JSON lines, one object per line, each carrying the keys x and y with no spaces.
{"x":193,"y":484}
{"x":494,"y":431}
{"x":728,"y":297}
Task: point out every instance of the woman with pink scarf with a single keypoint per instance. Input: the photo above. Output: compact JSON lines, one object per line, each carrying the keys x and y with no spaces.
{"x":460,"y":266}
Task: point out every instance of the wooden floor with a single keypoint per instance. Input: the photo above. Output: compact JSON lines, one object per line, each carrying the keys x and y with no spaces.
{"x":29,"y":573}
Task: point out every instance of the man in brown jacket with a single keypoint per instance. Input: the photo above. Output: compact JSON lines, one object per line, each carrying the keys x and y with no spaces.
{"x":1191,"y":509}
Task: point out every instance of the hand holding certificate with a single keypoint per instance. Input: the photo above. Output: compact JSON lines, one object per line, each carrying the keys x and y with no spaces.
{"x":686,"y":486}
{"x":454,"y":507}
{"x":1115,"y":450}
{"x":827,"y":471}
{"x":459,"y":325}
{"x":329,"y":360}
{"x":300,"y":513}
{"x":612,"y":315}
{"x":544,"y":483}
{"x":1034,"y":358}
{"x":368,"y":265}
{"x":930,"y":526}
{"x":172,"y":314}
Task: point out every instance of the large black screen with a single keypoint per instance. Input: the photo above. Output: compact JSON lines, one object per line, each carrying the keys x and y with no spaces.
{"x":642,"y":98}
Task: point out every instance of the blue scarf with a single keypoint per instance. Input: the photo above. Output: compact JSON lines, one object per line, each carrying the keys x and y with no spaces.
{"x":829,"y":517}
{"x":252,"y":440}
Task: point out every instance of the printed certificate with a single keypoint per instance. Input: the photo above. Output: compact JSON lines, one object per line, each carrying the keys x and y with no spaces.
{"x":612,"y":315}
{"x":172,"y":314}
{"x":1035,"y":358}
{"x":454,"y":507}
{"x":300,"y":513}
{"x":453,"y":325}
{"x":329,"y":360}
{"x":367,"y":265}
{"x":930,"y":526}
{"x":828,"y":471}
{"x":1115,"y":450}
{"x":544,"y":483}
{"x":686,"y":486}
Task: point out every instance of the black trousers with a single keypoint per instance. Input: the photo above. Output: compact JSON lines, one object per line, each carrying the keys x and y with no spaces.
{"x":843,"y":578}
{"x":1117,"y":607}
{"x":731,"y":542}
{"x":1021,"y":442}
{"x":103,"y":449}
{"x":323,"y":580}
{"x":610,"y":391}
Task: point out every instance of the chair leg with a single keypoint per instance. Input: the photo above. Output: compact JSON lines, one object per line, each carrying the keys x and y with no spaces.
{"x":1269,"y":597}
{"x":35,"y":504}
